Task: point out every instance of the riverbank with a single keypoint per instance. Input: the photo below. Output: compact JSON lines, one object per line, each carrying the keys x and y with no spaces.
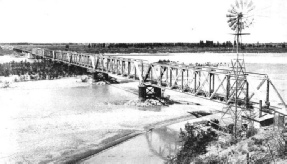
{"x":153,"y":49}
{"x":39,"y":126}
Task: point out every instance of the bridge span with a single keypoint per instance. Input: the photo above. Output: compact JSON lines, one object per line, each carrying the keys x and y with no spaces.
{"x":208,"y":82}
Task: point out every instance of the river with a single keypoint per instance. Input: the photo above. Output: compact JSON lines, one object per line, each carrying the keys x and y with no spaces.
{"x":63,"y":116}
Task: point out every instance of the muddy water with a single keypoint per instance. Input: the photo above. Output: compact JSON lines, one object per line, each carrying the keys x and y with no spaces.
{"x":151,"y":147}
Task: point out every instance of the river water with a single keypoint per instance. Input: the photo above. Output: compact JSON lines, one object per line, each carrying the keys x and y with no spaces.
{"x":161,"y":142}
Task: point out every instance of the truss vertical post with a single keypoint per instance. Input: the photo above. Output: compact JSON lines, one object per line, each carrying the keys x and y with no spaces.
{"x":160,"y":76}
{"x":267,"y":103}
{"x":194,"y":76}
{"x":123,"y":67}
{"x":135,"y":69}
{"x":199,"y":77}
{"x":209,"y":84}
{"x":247,"y":94}
{"x":187,"y":76}
{"x":129,"y":67}
{"x":170,"y":78}
{"x":142,"y":71}
{"x":151,"y":72}
{"x":182,"y":74}
{"x":166,"y":71}
{"x":117,"y":61}
{"x":227,"y":87}
{"x":260,"y":108}
{"x":213,"y":82}
{"x":112,"y":65}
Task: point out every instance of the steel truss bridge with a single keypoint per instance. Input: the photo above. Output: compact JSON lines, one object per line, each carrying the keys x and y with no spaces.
{"x":208,"y":82}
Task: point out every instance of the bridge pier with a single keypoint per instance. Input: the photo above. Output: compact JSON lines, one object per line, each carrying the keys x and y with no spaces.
{"x":149,"y":92}
{"x":100,"y":76}
{"x":142,"y":92}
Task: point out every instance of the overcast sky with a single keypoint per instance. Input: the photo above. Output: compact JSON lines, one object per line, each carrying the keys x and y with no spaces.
{"x":135,"y":21}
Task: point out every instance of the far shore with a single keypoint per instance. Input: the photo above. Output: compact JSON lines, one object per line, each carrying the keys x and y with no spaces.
{"x":154,"y":49}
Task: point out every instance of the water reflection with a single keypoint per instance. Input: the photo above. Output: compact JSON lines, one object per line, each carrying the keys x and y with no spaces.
{"x":163,"y":142}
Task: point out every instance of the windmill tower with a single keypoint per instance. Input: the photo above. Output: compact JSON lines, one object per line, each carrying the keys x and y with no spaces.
{"x":239,"y":18}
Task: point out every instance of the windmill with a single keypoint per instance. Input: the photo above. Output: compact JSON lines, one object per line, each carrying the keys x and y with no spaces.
{"x":239,"y":18}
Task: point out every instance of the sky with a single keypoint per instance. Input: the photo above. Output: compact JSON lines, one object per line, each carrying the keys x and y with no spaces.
{"x":110,"y":21}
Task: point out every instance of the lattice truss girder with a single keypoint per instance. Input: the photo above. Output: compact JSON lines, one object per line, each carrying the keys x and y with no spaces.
{"x":187,"y":79}
{"x":204,"y":81}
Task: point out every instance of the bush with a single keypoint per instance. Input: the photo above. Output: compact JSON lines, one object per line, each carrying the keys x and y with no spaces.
{"x":215,"y":124}
{"x":251,"y":132}
{"x":194,"y":142}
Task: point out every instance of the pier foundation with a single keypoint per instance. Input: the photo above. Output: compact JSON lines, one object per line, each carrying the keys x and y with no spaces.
{"x":142,"y":92}
{"x":101,"y":76}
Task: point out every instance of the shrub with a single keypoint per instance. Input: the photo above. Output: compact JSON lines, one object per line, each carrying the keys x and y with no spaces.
{"x":251,"y":132}
{"x":194,"y":142}
{"x":215,"y":123}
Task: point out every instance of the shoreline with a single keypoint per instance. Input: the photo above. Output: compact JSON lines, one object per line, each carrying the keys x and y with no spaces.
{"x":27,"y":129}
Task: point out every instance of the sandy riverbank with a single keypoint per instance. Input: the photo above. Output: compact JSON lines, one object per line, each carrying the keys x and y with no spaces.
{"x":51,"y":134}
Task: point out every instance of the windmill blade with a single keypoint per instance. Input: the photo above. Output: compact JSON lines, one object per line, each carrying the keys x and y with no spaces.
{"x":251,"y":9}
{"x":231,"y":20}
{"x":245,"y":3}
{"x":234,"y":8}
{"x":237,"y":4}
{"x":232,"y":11}
{"x":231,"y":24}
{"x":250,"y":4}
{"x":234,"y":26}
{"x":241,"y":3}
{"x":231,"y":15}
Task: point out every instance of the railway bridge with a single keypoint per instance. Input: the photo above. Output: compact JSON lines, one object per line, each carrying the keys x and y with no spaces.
{"x":208,"y":82}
